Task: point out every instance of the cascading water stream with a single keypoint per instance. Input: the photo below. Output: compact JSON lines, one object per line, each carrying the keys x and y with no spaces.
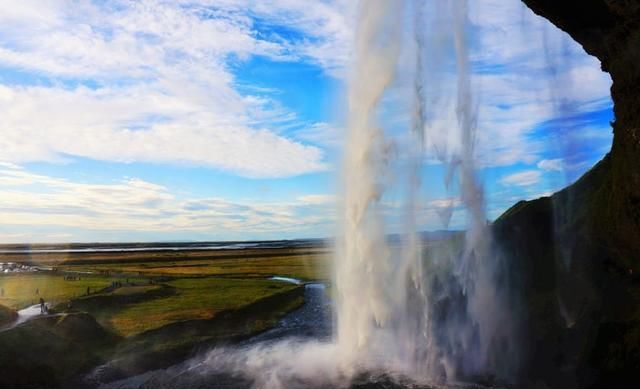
{"x":363,"y":263}
{"x":434,"y":316}
{"x":388,"y":297}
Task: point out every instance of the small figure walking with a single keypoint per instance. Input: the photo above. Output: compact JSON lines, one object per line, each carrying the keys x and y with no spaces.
{"x":38,"y":292}
{"x":2,"y":292}
{"x":43,"y":307}
{"x":88,"y":290}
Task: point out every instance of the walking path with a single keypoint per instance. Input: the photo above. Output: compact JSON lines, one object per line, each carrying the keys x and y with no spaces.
{"x":26,"y":314}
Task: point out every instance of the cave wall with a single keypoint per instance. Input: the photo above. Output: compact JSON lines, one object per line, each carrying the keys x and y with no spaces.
{"x":575,"y":256}
{"x":610,"y":31}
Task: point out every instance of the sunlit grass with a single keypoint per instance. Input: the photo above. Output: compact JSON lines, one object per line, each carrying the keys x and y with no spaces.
{"x":306,"y":267}
{"x":133,"y":290}
{"x":20,"y":289}
{"x":196,"y":298}
{"x":186,"y":287}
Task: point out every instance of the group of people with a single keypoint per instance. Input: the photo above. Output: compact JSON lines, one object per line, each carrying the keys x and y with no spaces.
{"x":116,"y":284}
{"x":43,"y":306}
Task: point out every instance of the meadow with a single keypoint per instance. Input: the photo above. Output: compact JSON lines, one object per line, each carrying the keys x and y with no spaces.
{"x":135,"y":309}
{"x":305,"y":267}
{"x":153,"y":289}
{"x":144,"y":310}
{"x":21,"y":290}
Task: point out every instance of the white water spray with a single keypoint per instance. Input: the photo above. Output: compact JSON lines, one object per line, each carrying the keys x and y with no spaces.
{"x":364,"y":264}
{"x":435,"y":316}
{"x":391,"y":312}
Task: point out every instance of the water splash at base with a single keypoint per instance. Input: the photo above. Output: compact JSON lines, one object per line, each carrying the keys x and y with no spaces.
{"x":427,"y":317}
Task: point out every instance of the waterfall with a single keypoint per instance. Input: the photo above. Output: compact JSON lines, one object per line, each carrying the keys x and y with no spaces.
{"x":433,"y":316}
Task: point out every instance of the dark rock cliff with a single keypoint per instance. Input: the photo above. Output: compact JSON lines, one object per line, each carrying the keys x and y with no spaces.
{"x":576,"y":255}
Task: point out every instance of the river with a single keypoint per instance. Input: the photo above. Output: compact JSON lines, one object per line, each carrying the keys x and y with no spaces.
{"x":311,"y":321}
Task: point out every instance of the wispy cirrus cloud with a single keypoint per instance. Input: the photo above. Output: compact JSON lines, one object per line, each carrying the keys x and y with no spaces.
{"x":151,"y":81}
{"x":525,"y":178}
{"x":136,"y":205}
{"x":535,"y":89}
{"x":161,"y":70}
{"x":37,"y":207}
{"x":551,"y":164}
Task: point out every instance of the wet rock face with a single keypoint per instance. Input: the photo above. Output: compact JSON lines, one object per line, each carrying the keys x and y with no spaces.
{"x":610,"y":30}
{"x":598,"y":25}
{"x":576,"y":255}
{"x":586,"y":20}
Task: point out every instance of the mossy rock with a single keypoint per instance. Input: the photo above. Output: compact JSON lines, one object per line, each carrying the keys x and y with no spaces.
{"x":51,"y":352}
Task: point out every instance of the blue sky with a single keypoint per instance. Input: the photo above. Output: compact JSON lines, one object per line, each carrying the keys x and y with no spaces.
{"x":223,"y":120}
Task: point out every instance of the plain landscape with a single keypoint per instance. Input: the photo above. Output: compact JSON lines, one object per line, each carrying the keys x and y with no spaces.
{"x":146,"y":309}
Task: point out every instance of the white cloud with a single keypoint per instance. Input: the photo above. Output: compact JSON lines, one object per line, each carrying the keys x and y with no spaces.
{"x":318,"y":199}
{"x":144,"y":124}
{"x":161,"y":86}
{"x":538,"y":70}
{"x":322,"y":133}
{"x":154,"y":81}
{"x":550,"y":164}
{"x":166,"y":92}
{"x":526,"y":74}
{"x":449,"y":202}
{"x":327,"y":27}
{"x":525,"y":178}
{"x":132,"y":205}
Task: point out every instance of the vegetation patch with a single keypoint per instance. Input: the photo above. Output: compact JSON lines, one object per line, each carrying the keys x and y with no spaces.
{"x":137,"y":315}
{"x":161,"y":347}
{"x":50,"y":351}
{"x":194,"y":299}
{"x":22,"y":290}
{"x":305,"y":266}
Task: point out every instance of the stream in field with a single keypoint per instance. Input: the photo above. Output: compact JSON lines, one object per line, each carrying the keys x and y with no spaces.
{"x":312,"y":321}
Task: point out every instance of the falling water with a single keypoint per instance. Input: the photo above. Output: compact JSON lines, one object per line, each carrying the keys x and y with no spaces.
{"x":434,"y":315}
{"x":364,"y":264}
{"x":394,"y":311}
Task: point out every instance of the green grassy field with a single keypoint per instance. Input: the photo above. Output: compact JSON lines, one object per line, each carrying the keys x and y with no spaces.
{"x":189,"y":299}
{"x":121,"y":258}
{"x":307,"y":267}
{"x":145,"y":310}
{"x":194,"y":286}
{"x":20,"y":289}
